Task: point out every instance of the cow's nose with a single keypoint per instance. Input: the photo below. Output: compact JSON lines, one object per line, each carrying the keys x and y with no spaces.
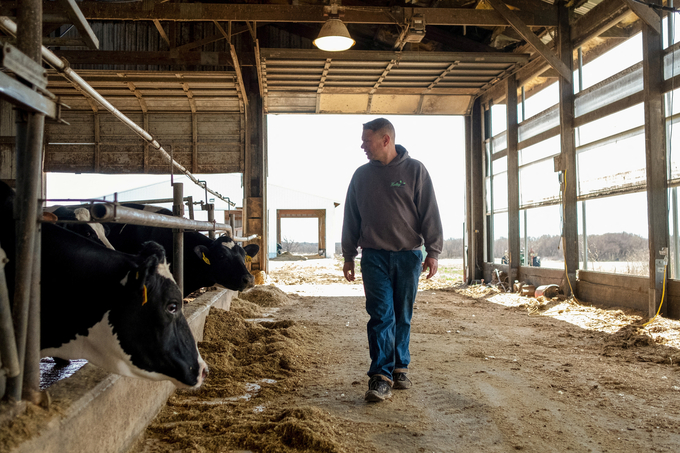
{"x":247,"y":280}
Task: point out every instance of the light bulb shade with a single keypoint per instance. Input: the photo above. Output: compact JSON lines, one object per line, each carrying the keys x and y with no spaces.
{"x":334,"y":37}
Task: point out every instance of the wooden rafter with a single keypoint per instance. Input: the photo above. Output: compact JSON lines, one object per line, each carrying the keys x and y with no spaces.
{"x":207,"y":12}
{"x":600,"y":19}
{"x":161,"y":31}
{"x":516,"y":22}
{"x":442,"y":75}
{"x":190,"y":95}
{"x":646,"y":14}
{"x":239,"y":76}
{"x":77,"y":18}
{"x":138,"y":95}
{"x":386,"y":71}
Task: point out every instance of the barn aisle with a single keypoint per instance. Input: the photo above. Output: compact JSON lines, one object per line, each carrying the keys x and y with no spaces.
{"x":488,"y":377}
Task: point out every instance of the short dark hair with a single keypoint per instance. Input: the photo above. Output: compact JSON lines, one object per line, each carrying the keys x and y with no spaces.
{"x":381,"y":125}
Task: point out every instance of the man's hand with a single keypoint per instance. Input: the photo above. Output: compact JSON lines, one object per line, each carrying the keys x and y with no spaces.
{"x":348,"y":270}
{"x":429,"y":262}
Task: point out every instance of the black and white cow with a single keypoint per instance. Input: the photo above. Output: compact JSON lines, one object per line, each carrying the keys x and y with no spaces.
{"x":121,"y":312}
{"x":94,"y":231}
{"x":207,"y":262}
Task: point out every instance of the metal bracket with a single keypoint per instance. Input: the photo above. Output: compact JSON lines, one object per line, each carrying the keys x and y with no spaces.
{"x":23,"y":66}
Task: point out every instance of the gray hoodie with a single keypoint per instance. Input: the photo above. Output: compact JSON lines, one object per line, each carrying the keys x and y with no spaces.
{"x":392,"y":207}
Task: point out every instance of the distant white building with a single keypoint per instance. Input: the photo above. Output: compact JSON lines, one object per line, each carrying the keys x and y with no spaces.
{"x":283,"y":203}
{"x":228,"y":185}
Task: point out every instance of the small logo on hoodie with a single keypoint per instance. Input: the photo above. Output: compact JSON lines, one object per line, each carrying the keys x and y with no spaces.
{"x":399,"y":183}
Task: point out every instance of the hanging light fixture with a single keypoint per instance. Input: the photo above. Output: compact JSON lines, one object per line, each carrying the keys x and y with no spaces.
{"x":334,"y":36}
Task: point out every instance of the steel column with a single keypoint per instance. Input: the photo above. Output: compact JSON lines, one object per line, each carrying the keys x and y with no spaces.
{"x":29,"y":146}
{"x":513,"y":182}
{"x":568,"y":155}
{"x":655,"y":150}
{"x":178,"y":237}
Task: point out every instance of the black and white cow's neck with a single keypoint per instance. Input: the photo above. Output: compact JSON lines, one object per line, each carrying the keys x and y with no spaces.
{"x":207,"y":262}
{"x":121,"y":312}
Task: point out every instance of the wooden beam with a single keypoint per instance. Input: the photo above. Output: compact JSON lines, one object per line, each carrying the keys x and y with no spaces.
{"x":239,"y":75}
{"x":600,"y":19}
{"x":456,"y":41}
{"x":113,"y":57}
{"x":568,"y":154}
{"x":97,"y":144}
{"x":656,"y":168}
{"x":161,"y":31}
{"x":646,"y":14}
{"x":526,"y":33}
{"x":76,"y":18}
{"x":226,"y":35}
{"x":138,"y":95}
{"x":529,"y":5}
{"x":513,"y":180}
{"x":475,"y":179}
{"x":194,"y":142}
{"x":387,"y":15}
{"x":63,"y":42}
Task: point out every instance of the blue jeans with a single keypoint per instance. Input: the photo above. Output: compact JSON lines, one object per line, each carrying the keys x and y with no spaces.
{"x":390,"y":284}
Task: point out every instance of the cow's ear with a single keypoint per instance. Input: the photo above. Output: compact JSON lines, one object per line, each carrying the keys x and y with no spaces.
{"x":202,"y":252}
{"x":251,"y":250}
{"x":151,"y":248}
{"x":151,"y":254}
{"x":137,"y":280}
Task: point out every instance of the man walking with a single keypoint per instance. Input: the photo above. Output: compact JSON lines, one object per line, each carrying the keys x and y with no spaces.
{"x":390,"y":212}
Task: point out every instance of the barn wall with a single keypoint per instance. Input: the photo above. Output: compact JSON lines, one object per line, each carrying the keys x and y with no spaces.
{"x":99,"y":142}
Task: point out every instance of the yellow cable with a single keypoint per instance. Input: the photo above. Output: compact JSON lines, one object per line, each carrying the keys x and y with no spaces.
{"x":564,"y":239}
{"x":663,"y":294}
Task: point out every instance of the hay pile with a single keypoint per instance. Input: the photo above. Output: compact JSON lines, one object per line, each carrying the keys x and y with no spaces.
{"x":239,"y":406}
{"x":265,"y":296}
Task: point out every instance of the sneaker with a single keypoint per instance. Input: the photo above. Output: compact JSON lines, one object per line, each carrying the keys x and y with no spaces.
{"x":378,"y":389}
{"x":401,"y":381}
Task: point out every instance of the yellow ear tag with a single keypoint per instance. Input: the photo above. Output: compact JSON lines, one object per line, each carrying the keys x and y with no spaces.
{"x":248,"y":258}
{"x":145,"y":298}
{"x":205,"y":258}
{"x":137,"y":276}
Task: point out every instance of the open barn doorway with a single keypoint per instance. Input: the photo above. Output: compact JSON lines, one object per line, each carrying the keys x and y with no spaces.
{"x":314,"y":156}
{"x":301,"y":231}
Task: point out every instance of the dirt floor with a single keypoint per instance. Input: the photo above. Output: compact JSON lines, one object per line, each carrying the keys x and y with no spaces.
{"x":492,"y":372}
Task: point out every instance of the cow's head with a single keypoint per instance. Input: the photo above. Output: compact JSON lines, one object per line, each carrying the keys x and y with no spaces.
{"x":225,"y":260}
{"x":151,"y":326}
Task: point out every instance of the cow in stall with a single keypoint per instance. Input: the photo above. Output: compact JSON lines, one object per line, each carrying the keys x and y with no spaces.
{"x":121,"y":312}
{"x":94,"y":231}
{"x":207,"y":262}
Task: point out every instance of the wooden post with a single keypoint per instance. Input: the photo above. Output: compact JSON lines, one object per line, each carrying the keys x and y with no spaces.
{"x":255,"y":168}
{"x":476,"y":194}
{"x":655,"y":150}
{"x":567,"y":161}
{"x":513,"y":181}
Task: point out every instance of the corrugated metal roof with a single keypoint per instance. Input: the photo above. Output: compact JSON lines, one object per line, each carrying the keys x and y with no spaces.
{"x":312,"y":81}
{"x":154,"y":91}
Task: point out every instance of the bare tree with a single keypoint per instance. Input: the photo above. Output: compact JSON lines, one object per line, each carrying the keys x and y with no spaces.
{"x":289,"y":245}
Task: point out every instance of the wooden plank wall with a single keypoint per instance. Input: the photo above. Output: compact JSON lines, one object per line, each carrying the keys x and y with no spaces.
{"x":73,"y":148}
{"x":613,"y":290}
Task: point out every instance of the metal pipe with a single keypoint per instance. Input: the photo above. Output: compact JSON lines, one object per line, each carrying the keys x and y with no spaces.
{"x":8,"y":345}
{"x":62,"y":66}
{"x":210,"y":207}
{"x":178,"y":236}
{"x":190,"y":204}
{"x":30,"y":128}
{"x":109,"y":212}
{"x":31,"y":385}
